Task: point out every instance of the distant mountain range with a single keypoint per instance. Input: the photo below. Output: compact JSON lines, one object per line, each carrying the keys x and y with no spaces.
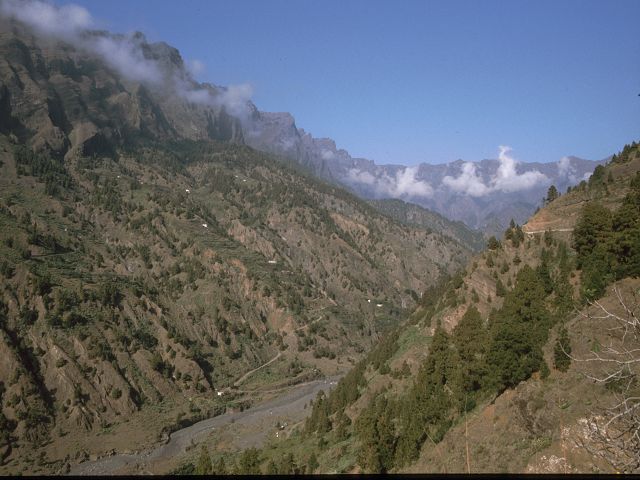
{"x":484,"y":195}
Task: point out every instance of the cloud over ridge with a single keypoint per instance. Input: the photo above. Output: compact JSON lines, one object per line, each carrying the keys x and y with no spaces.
{"x":123,"y":53}
{"x":506,"y":179}
{"x":403,"y":184}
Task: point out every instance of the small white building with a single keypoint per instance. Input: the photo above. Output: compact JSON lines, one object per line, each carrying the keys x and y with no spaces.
{"x":205,"y":225}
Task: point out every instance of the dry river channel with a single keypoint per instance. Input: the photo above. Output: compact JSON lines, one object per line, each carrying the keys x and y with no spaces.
{"x":251,"y":428}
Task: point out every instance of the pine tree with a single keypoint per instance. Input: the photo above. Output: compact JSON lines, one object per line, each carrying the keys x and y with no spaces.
{"x":563,"y":300}
{"x":220,"y":468}
{"x":428,"y":405}
{"x":287,"y":465}
{"x":319,"y":421}
{"x":626,"y":231}
{"x":552,"y":194}
{"x":342,"y":423}
{"x":519,"y":330}
{"x":204,"y":466}
{"x":377,"y":437}
{"x":312,"y":464}
{"x":272,"y":468}
{"x":470,"y":340}
{"x":562,"y":350}
{"x":493,"y":243}
{"x":544,"y":273}
{"x":593,"y":228}
{"x":249,"y":462}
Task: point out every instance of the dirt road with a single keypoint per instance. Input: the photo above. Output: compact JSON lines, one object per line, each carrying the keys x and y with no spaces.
{"x":248,"y":374}
{"x":291,"y":404}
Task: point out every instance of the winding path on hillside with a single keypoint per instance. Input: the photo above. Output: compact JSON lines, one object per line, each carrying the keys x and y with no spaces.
{"x":308,"y":324}
{"x":251,"y":372}
{"x":549,"y":230}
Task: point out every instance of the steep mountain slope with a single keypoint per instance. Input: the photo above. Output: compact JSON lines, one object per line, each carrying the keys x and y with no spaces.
{"x":413,"y":214}
{"x":149,"y":260}
{"x":61,"y":98}
{"x":172,"y":271}
{"x":526,"y":362}
{"x":152,"y":264}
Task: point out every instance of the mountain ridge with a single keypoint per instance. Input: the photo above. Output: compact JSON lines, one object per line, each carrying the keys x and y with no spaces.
{"x":421,"y":184}
{"x":185,"y":108}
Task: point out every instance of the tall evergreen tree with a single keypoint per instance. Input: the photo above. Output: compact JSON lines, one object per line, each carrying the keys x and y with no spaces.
{"x":518,"y":332}
{"x":249,"y":462}
{"x":470,"y":340}
{"x":552,"y":194}
{"x":377,"y":437}
{"x":593,"y":228}
{"x":312,"y":463}
{"x":204,"y":466}
{"x":626,"y":229}
{"x":427,"y":406}
{"x":220,"y":467}
{"x":562,"y":350}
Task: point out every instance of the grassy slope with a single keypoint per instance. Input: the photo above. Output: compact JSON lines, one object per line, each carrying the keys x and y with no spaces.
{"x":535,"y":427}
{"x":192,"y":307}
{"x":416,"y":215}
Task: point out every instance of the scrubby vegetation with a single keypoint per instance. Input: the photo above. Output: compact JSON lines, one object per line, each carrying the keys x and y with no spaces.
{"x":175,"y":267}
{"x":608,"y":243}
{"x":388,"y":428}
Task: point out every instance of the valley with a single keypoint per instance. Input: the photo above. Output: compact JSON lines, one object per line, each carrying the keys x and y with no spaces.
{"x":234,"y":296}
{"x":190,"y":285}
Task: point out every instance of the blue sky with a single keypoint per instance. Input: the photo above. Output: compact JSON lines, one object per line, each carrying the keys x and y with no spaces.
{"x":412,"y":81}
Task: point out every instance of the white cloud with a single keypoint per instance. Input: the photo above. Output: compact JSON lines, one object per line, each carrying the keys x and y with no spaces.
{"x":70,"y":23}
{"x":467,"y":182}
{"x":567,"y":172}
{"x":235,"y":97}
{"x":565,"y":169}
{"x":126,"y":58}
{"x":361,"y":176}
{"x":195,"y":67}
{"x":506,"y":178}
{"x":327,"y":154}
{"x":403,"y":184}
{"x":287,"y":143}
{"x":407,"y":184}
{"x":199,"y":96}
{"x":65,"y":22}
